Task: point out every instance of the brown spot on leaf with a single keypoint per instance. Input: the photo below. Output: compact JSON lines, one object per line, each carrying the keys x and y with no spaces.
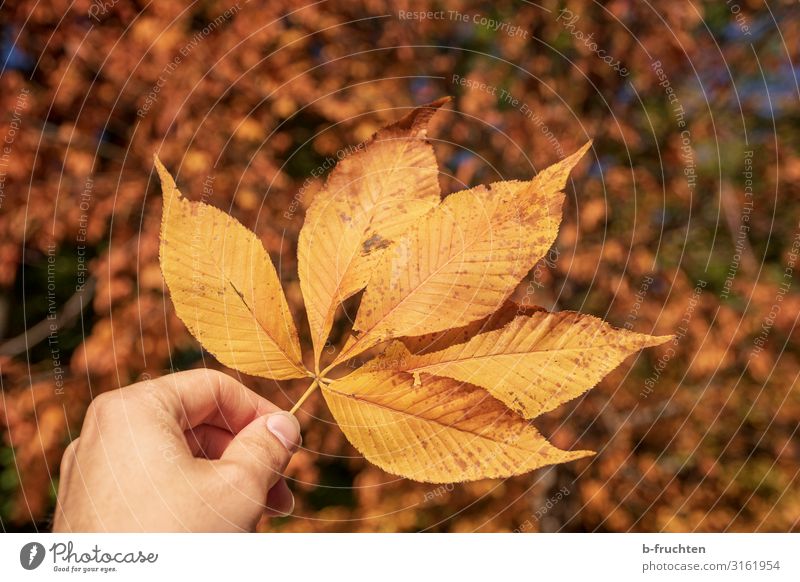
{"x":374,"y":243}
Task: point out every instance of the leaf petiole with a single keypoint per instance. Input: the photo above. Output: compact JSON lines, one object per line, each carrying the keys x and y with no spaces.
{"x":314,"y":385}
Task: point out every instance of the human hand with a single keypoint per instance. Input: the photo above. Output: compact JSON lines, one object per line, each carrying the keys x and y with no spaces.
{"x":192,"y":451}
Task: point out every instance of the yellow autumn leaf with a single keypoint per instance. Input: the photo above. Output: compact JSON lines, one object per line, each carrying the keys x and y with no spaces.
{"x":448,"y":399}
{"x":461,"y":261}
{"x":442,"y":431}
{"x":533,"y":364}
{"x":369,"y":200}
{"x":225,"y":288}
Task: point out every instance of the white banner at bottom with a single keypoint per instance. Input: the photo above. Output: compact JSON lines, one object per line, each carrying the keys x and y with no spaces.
{"x":396,"y":557}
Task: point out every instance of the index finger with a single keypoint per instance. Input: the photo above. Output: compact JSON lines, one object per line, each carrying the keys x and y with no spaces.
{"x":204,"y":396}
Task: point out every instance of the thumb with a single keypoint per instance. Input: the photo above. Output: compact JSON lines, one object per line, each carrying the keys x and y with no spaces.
{"x":263,"y":448}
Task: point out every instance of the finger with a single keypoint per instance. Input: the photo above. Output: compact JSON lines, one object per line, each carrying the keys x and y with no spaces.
{"x":60,"y":523}
{"x":260,"y":452}
{"x":208,"y":441}
{"x":68,"y":460}
{"x":280,"y":501}
{"x":206,"y":396}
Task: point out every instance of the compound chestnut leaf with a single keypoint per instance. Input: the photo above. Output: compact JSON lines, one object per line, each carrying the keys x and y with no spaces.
{"x":451,"y":400}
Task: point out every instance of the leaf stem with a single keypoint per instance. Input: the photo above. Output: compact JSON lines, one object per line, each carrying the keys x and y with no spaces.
{"x":305,"y":395}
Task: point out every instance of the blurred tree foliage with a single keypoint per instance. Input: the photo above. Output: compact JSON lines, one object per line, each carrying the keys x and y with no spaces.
{"x":245,"y":101}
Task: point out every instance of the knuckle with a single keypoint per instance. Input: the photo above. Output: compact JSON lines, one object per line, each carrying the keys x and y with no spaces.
{"x":210,"y":375}
{"x":70,"y":449}
{"x":104,"y":405}
{"x":217,"y":374}
{"x":68,"y":458}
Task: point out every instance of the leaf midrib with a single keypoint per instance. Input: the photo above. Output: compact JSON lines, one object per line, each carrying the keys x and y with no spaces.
{"x":462,"y":251}
{"x":511,"y":353}
{"x":362,"y":400}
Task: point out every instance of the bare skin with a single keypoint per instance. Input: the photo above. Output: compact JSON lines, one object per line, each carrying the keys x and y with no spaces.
{"x":192,"y":451}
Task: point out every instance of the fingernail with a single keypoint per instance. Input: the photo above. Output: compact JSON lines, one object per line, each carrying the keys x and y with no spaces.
{"x":280,"y":501}
{"x":286,"y":429}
